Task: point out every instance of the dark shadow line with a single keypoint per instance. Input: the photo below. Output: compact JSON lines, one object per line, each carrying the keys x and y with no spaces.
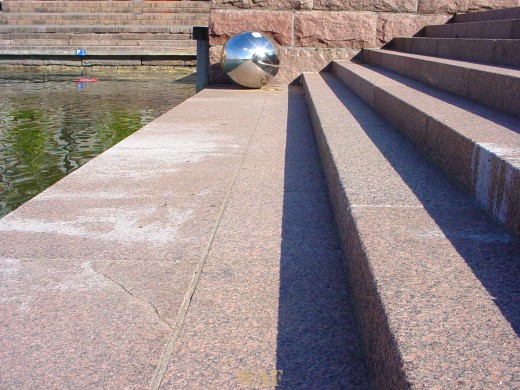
{"x":318,"y":345}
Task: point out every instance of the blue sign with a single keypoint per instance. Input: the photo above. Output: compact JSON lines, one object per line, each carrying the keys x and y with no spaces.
{"x":81,"y":52}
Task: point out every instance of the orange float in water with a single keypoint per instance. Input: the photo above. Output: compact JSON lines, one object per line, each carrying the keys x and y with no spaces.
{"x":86,"y":79}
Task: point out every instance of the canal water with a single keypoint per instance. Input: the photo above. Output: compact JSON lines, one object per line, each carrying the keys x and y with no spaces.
{"x":51,"y":125}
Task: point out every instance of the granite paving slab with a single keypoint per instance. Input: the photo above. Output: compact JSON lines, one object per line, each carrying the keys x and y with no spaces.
{"x":200,"y":252}
{"x":272,"y":306}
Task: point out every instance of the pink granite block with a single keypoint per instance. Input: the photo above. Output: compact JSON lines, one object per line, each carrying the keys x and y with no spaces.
{"x":402,"y":25}
{"x":334,"y":29}
{"x":442,"y":6}
{"x":295,"y":60}
{"x":441,"y":31}
{"x":277,"y":24}
{"x":262,"y":4}
{"x":364,"y":5}
{"x":339,"y":5}
{"x":400,"y":6}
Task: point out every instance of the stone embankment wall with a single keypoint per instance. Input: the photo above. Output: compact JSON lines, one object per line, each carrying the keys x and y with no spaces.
{"x":311,"y":33}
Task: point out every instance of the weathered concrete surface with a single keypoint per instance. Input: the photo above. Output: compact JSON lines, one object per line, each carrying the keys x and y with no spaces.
{"x":200,"y":252}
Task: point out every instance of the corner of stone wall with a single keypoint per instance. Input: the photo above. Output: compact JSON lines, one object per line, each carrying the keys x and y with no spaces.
{"x":312,"y":33}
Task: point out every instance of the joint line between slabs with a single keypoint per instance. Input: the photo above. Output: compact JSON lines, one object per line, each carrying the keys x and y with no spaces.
{"x":177,"y":327}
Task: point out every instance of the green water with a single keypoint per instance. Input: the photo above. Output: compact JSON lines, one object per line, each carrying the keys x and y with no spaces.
{"x":51,"y":125}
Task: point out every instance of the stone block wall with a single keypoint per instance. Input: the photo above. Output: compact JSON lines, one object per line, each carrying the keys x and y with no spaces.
{"x":311,"y":33}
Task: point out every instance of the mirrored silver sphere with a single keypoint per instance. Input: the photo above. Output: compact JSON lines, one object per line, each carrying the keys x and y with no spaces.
{"x":250,"y":58}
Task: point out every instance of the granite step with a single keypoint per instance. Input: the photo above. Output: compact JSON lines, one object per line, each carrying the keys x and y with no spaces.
{"x":201,"y":273}
{"x":120,"y":51}
{"x":478,"y":82}
{"x":478,"y":146}
{"x":122,"y":37}
{"x":499,"y":14}
{"x":493,"y":29}
{"x":81,"y":43}
{"x":106,"y":6}
{"x":434,"y":278}
{"x":97,"y":28}
{"x":494,"y":51}
{"x":102,"y":18}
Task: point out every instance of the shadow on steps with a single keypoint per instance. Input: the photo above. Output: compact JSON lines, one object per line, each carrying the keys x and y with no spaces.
{"x":318,"y":344}
{"x":487,"y":248}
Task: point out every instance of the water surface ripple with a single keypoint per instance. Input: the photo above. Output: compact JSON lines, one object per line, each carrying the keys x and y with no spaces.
{"x":51,"y":125}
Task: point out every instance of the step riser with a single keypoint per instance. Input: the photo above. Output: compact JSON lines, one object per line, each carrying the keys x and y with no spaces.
{"x":499,"y":52}
{"x":409,"y":236}
{"x":504,"y":29}
{"x":486,"y":175}
{"x":197,"y":22}
{"x":384,"y":361}
{"x":78,"y":43}
{"x":116,"y":38}
{"x":508,"y":13}
{"x":477,"y":85}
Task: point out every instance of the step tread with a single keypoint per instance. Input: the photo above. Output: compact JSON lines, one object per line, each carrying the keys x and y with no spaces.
{"x":478,"y":145}
{"x":443,"y":105}
{"x":495,"y":51}
{"x":503,"y":70}
{"x":482,"y":83}
{"x":445,"y":274}
{"x":506,"y":13}
{"x":499,"y":29}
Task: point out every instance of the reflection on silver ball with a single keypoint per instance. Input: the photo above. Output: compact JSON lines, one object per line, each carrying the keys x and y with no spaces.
{"x":250,"y":59}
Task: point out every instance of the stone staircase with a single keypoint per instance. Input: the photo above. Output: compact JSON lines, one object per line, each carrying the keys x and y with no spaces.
{"x":420,"y":146}
{"x":128,"y":32}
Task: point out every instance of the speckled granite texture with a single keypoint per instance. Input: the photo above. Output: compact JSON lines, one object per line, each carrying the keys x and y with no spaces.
{"x":434,"y":277}
{"x":199,"y":253}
